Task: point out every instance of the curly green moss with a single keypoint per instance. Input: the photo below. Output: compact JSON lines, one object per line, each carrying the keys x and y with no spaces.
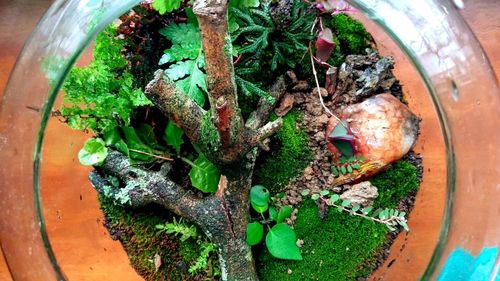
{"x":136,"y":229}
{"x":288,"y":159}
{"x":351,"y":34}
{"x":341,"y":247}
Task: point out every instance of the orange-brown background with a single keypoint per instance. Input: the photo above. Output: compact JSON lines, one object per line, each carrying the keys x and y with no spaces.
{"x":17,"y":19}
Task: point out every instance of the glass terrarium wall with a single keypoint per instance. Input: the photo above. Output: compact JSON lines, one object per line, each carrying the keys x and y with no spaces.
{"x":66,"y":208}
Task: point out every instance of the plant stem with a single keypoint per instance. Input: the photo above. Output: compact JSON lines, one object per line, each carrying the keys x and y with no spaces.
{"x":152,"y":155}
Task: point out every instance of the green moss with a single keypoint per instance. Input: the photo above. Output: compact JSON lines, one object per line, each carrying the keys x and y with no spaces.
{"x":341,"y":247}
{"x":288,"y":159}
{"x":352,"y":36}
{"x":136,"y":229}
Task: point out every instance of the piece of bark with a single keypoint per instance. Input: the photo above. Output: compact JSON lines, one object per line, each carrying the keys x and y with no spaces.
{"x":285,"y":105}
{"x":362,"y":193}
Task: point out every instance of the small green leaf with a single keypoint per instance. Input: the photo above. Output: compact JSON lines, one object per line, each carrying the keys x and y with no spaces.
{"x":166,"y":6}
{"x":315,"y":196}
{"x":258,"y":208}
{"x":355,"y":207}
{"x":404,"y":225}
{"x":343,"y":170}
{"x":283,"y":214}
{"x":346,"y":203}
{"x":340,"y":209}
{"x":173,"y":136}
{"x":334,"y":198}
{"x":94,"y":152}
{"x":377,"y":212}
{"x":281,"y":242}
{"x":334,"y":170}
{"x":134,"y":142}
{"x":402,"y":214}
{"x":204,"y":175}
{"x":259,"y":195}
{"x":349,"y":169}
{"x":367,"y":210}
{"x":272,"y":213}
{"x":255,"y":232}
{"x":324,"y":192}
{"x":305,"y":192}
{"x":391,"y":228}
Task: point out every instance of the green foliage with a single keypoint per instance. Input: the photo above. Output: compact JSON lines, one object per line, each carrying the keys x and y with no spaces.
{"x":100,"y":96}
{"x":392,"y":218}
{"x":281,"y":242}
{"x":173,"y":136}
{"x":203,"y":258}
{"x":351,"y":34}
{"x":241,"y":4}
{"x":280,"y":239}
{"x":334,"y":248}
{"x":166,"y":6}
{"x":185,"y":60}
{"x":255,"y":232}
{"x":138,"y":232}
{"x":346,"y":165}
{"x":289,"y":157}
{"x":341,"y":247}
{"x":259,"y":197}
{"x":266,"y":46}
{"x":204,"y":175}
{"x":394,"y":184}
{"x":94,"y":152}
{"x":182,"y":229}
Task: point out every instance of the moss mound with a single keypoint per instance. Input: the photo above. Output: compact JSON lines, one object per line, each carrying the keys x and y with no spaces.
{"x":351,"y":34}
{"x":136,"y":229}
{"x":289,"y":157}
{"x":341,"y":247}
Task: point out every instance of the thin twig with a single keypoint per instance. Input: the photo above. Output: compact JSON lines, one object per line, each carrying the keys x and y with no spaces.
{"x":152,"y":155}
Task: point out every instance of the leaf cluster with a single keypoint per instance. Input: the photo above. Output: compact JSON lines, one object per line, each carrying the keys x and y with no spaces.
{"x":185,"y":60}
{"x":280,"y":238}
{"x":346,"y":165}
{"x":101,"y":96}
{"x":391,"y":218}
{"x":264,"y":46}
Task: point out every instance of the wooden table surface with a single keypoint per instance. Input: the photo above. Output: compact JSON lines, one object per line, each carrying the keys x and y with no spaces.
{"x":19,"y":17}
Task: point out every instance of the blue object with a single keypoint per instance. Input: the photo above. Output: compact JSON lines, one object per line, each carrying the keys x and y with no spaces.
{"x":463,"y":266}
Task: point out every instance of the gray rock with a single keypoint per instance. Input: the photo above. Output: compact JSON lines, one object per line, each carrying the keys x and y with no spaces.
{"x":362,"y":193}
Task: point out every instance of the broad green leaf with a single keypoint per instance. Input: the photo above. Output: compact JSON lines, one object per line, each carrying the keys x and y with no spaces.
{"x":259,"y":195}
{"x":204,"y":175}
{"x":259,"y":208}
{"x":324,"y":192}
{"x":122,"y":147}
{"x":195,"y":85}
{"x":355,"y":207}
{"x":134,"y":142}
{"x":166,"y":6}
{"x":273,"y":214}
{"x":255,"y":232}
{"x":94,"y":152}
{"x":173,"y":136}
{"x":281,"y":242}
{"x":283,"y":214}
{"x":111,"y":136}
{"x":315,"y":196}
{"x":182,"y":33}
{"x":146,"y":134}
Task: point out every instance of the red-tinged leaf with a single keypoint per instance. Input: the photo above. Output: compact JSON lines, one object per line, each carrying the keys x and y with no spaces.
{"x":324,"y":45}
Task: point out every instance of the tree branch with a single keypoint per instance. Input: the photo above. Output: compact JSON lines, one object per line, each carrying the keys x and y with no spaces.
{"x":265,"y":106}
{"x":217,"y":47}
{"x":176,"y":105}
{"x":141,"y":187}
